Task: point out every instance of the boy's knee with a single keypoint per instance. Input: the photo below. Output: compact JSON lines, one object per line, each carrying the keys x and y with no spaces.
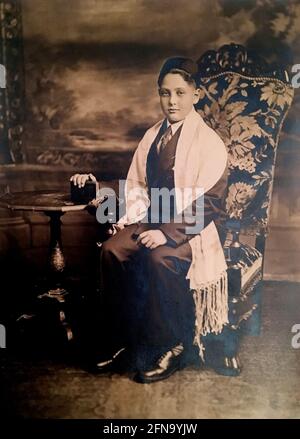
{"x":116,"y":249}
{"x":109,"y":248}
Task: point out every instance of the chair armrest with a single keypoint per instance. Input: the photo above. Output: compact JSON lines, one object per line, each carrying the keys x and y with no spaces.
{"x":260,"y":240}
{"x":234,"y":250}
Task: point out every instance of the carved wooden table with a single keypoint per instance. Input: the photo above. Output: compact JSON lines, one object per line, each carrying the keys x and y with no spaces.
{"x":54,"y":204}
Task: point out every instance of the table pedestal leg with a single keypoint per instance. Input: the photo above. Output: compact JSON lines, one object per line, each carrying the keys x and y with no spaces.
{"x":56,"y":268}
{"x":56,"y":260}
{"x":56,"y":257}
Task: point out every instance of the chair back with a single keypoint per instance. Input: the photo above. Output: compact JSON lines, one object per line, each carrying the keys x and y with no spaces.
{"x":245,"y":100}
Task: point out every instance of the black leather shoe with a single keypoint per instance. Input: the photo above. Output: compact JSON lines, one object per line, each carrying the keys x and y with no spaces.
{"x":108,"y":363}
{"x":167,"y":364}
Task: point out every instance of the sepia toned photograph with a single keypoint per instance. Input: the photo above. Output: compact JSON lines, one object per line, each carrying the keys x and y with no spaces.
{"x":149,"y":211}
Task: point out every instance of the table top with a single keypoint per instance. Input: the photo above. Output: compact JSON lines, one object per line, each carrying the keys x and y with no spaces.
{"x":43,"y":201}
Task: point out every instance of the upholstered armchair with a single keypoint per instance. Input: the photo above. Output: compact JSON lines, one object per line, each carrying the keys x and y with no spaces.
{"x":245,"y":101}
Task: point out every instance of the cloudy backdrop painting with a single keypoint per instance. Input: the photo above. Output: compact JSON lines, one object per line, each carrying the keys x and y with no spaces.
{"x":91,"y":65}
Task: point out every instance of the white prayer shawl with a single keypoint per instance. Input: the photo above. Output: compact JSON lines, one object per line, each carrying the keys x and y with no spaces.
{"x":200,"y":161}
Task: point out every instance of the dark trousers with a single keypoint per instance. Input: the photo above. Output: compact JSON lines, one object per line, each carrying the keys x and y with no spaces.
{"x":145,"y":296}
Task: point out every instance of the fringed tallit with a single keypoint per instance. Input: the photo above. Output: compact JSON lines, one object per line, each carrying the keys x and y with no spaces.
{"x":208,"y":283}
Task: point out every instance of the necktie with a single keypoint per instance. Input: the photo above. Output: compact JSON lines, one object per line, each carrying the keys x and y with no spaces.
{"x":165,"y":138}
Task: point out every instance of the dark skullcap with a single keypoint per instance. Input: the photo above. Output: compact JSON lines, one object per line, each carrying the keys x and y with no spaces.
{"x":178,"y":62}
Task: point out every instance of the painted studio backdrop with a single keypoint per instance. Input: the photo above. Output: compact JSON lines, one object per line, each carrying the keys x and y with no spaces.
{"x":84,"y":92}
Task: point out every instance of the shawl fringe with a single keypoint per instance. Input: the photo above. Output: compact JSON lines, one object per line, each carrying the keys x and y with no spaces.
{"x":211,"y":309}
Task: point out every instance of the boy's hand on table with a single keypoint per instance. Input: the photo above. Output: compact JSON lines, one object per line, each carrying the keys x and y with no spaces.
{"x":80,"y":180}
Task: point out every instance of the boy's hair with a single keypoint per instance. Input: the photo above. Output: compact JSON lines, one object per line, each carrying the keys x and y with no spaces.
{"x":186,"y":76}
{"x":185,"y":67}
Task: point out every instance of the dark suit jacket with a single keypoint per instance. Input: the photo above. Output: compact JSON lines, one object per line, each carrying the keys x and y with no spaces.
{"x":160,"y":174}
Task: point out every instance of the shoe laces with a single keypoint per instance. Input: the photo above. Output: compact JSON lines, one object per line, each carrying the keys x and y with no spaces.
{"x":110,"y":360}
{"x":118,"y":352}
{"x":176,"y":350}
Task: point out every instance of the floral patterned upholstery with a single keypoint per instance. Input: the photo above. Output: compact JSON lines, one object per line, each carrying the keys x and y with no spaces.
{"x":245,"y":101}
{"x":248,"y":114}
{"x":246,"y":105}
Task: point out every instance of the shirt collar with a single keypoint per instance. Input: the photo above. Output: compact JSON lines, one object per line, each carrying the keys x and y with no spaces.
{"x":175,"y":126}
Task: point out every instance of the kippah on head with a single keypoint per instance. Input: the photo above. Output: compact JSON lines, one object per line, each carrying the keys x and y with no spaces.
{"x":178,"y":62}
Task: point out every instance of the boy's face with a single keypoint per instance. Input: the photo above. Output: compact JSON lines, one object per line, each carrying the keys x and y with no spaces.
{"x":177,"y":97}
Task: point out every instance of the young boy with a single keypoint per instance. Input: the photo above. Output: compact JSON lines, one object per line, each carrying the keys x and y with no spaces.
{"x":164,"y":282}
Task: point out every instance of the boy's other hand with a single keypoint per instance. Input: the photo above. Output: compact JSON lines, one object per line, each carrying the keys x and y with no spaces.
{"x":152,"y":239}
